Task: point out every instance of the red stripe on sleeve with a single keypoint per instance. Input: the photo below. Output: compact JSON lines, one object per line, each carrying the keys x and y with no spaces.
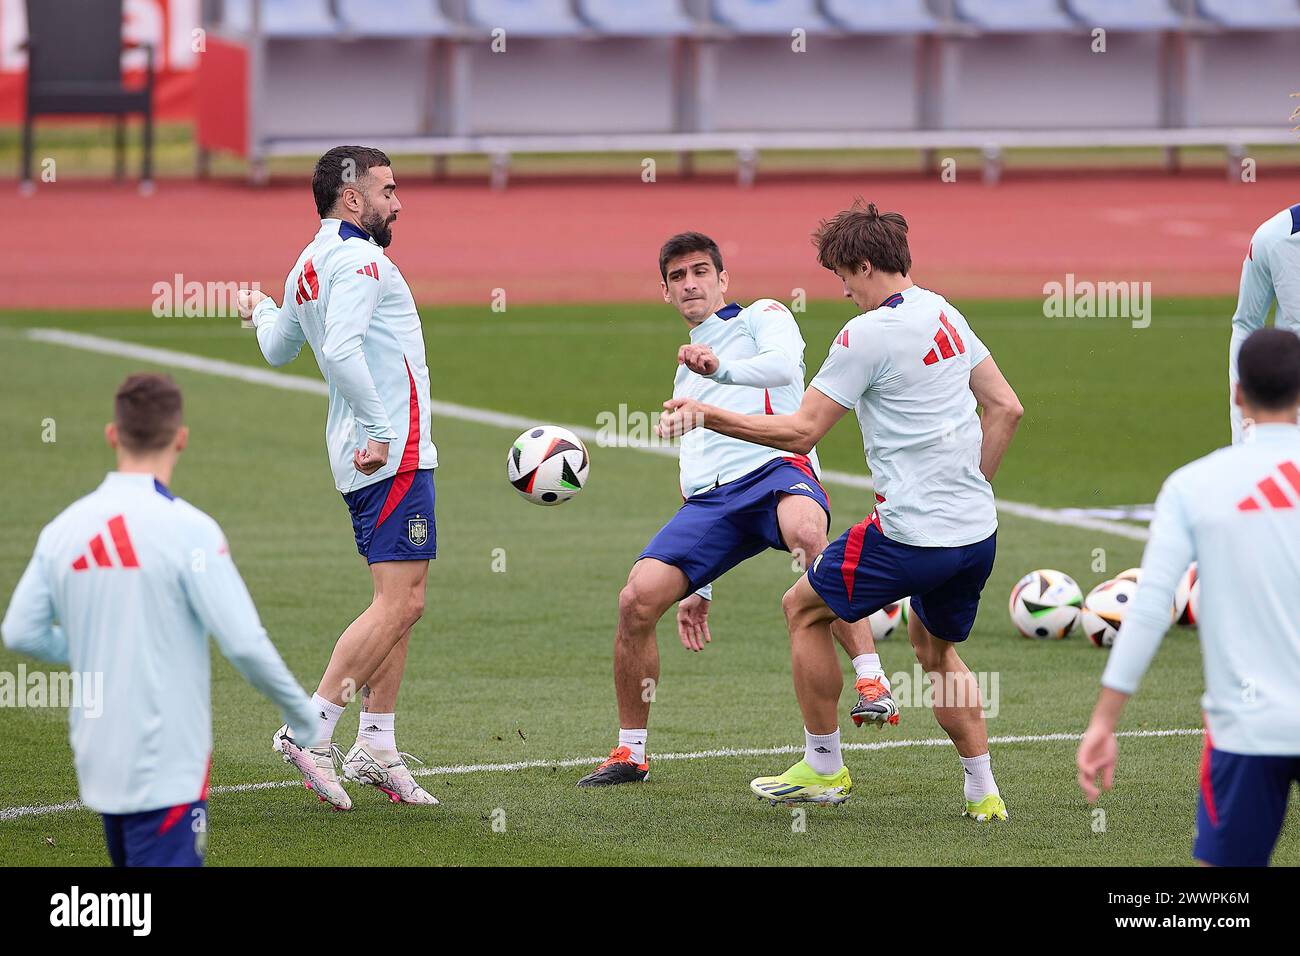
{"x":309,"y":273}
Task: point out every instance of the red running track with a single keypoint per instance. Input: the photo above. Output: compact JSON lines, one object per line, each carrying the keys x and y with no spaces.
{"x":92,"y":245}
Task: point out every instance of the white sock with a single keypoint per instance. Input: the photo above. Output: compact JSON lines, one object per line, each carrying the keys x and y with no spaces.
{"x":822,"y":751}
{"x":633,"y":740}
{"x":328,"y":714}
{"x":868,"y":665}
{"x":377,"y":730}
{"x":979,"y":777}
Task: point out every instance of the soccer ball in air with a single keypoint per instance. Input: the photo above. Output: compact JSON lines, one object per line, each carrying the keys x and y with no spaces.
{"x":547,"y":465}
{"x":1045,"y":604}
{"x":1103,"y":610}
{"x":887,"y":618}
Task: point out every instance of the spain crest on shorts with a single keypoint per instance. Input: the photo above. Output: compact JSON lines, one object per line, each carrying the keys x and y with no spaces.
{"x":417,"y":530}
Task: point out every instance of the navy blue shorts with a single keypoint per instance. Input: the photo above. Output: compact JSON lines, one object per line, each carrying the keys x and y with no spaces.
{"x":172,"y":836}
{"x":715,"y":530}
{"x":393,"y":519}
{"x":862,"y":570}
{"x":1242,"y":806}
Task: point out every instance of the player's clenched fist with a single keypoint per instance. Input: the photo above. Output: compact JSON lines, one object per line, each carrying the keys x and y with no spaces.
{"x":246,"y":301}
{"x":680,"y":415}
{"x":370,"y":459}
{"x":698,"y":358}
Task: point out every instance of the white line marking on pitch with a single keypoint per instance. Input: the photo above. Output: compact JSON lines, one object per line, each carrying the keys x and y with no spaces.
{"x":313,"y":386}
{"x":14,"y":813}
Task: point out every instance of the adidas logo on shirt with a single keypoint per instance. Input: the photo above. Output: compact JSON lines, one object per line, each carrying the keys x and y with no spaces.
{"x":1271,"y":491}
{"x":99,"y":550}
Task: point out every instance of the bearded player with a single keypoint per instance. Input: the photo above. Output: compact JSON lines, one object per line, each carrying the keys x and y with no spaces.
{"x":740,"y":498}
{"x":348,"y":300}
{"x":915,"y":372}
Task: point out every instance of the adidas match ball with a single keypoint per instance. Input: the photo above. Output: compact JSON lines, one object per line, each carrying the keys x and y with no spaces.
{"x":1185,"y":607}
{"x":887,"y":618}
{"x":547,"y":465}
{"x":1103,"y":610}
{"x":1045,"y":605}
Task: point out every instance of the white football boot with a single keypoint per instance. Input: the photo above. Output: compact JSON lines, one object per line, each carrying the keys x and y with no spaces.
{"x":316,"y":764}
{"x":386,"y":770}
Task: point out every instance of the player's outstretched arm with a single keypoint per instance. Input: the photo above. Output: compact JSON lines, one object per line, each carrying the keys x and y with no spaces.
{"x":279,"y":333}
{"x":28,"y":626}
{"x":1002,"y":413}
{"x":221,"y":602}
{"x":1168,"y":553}
{"x":798,"y":433}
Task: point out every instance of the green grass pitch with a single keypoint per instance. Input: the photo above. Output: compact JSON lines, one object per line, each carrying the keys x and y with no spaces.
{"x":515,"y":665}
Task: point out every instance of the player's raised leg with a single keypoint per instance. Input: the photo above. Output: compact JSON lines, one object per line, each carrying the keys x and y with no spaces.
{"x":652,"y":587}
{"x":803,"y":528}
{"x":820,"y":777}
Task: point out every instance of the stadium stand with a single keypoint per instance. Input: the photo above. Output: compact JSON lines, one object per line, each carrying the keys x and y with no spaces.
{"x":881,"y":16}
{"x":281,"y":18}
{"x":1015,"y":16}
{"x":525,"y":18}
{"x":684,"y":76}
{"x":1255,"y":15}
{"x":636,"y":17}
{"x":770,"y":17}
{"x":1124,"y":14}
{"x":400,"y":18}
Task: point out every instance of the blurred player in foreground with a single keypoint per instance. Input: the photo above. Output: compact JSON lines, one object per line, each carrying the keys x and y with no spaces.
{"x":347,"y":299}
{"x":915,"y":371}
{"x":1236,"y":512}
{"x":740,"y":498}
{"x":1271,"y":271}
{"x":136,"y":579}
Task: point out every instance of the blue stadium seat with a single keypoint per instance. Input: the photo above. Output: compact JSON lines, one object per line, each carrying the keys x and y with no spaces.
{"x":1255,"y":15}
{"x":393,"y":18}
{"x":769,"y":17}
{"x":1125,"y":14}
{"x":1015,"y":16}
{"x":531,"y":18}
{"x":881,"y":16}
{"x":282,"y":18}
{"x":636,"y":17}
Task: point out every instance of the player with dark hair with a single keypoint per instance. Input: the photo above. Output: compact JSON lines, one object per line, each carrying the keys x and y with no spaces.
{"x":348,"y":300}
{"x":916,"y":374}
{"x":739,"y":498}
{"x":1236,"y":513}
{"x":136,"y":579}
